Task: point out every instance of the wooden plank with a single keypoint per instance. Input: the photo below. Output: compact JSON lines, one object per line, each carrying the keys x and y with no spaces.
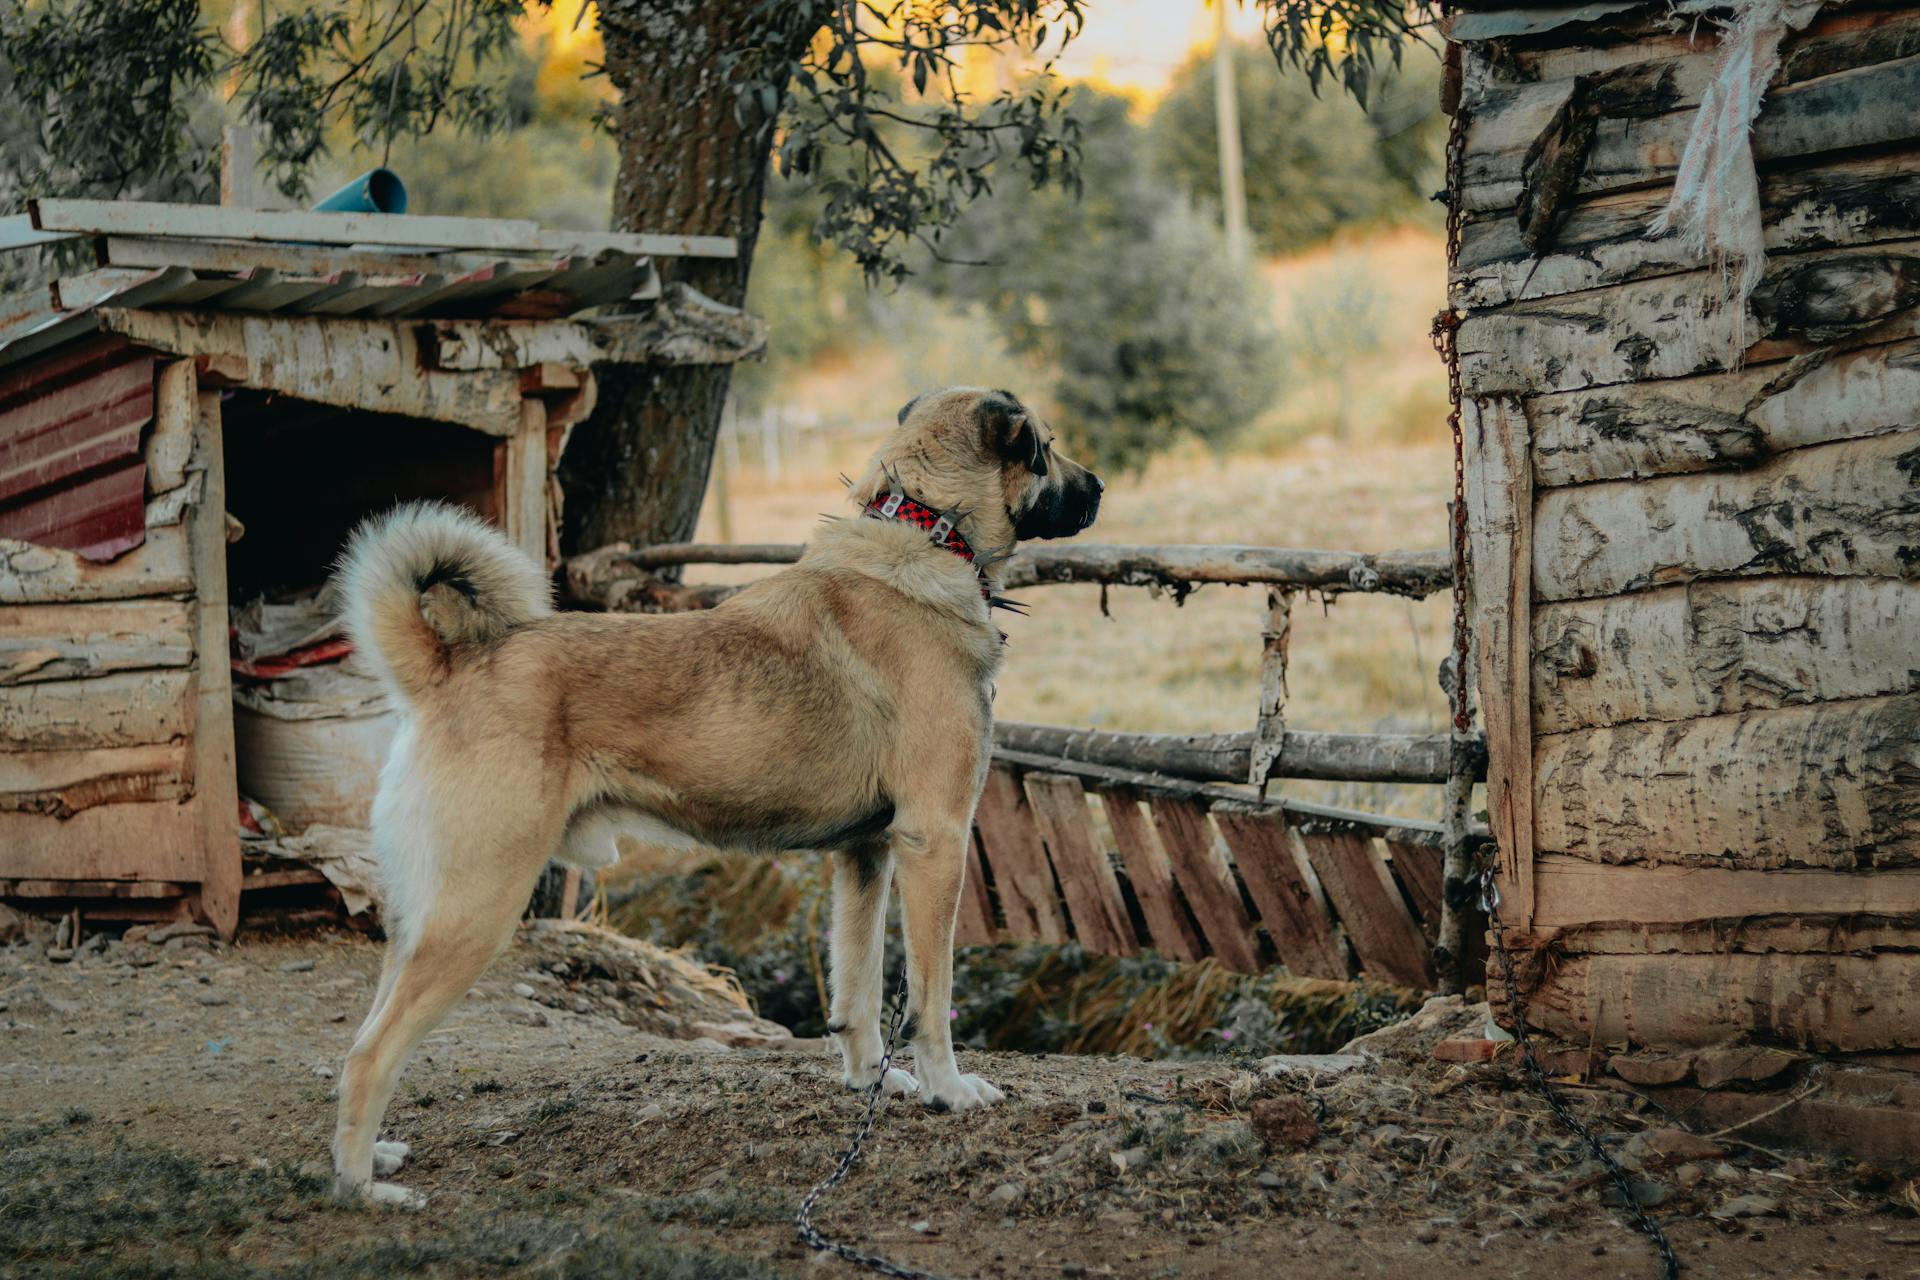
{"x":1826,"y":785}
{"x":210,"y":222}
{"x":1225,"y":757}
{"x":240,"y":256}
{"x":1087,"y":882}
{"x":31,"y":574}
{"x":1293,"y":907}
{"x":1674,"y":326}
{"x":683,"y":327}
{"x":157,"y":841}
{"x":1378,"y":924}
{"x":1575,"y":892}
{"x":1151,"y":875}
{"x":1206,"y":880}
{"x":1856,"y":200}
{"x":1021,"y":872}
{"x":1851,"y":508}
{"x":1417,"y":867}
{"x":123,"y":889}
{"x":217,"y":791}
{"x":352,"y":363}
{"x":1713,"y":648}
{"x":74,"y":641}
{"x":974,"y":926}
{"x":62,"y":783}
{"x":1840,"y":1003}
{"x":295,"y":876}
{"x":125,"y":709}
{"x":1500,"y":523}
{"x":1723,"y":419}
{"x":1861,"y":107}
{"x":524,"y":483}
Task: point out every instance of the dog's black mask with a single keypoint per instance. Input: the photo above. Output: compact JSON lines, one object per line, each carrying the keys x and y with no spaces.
{"x":1065,"y":505}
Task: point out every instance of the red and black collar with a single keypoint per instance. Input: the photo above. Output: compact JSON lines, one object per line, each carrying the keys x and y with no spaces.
{"x":940,"y":528}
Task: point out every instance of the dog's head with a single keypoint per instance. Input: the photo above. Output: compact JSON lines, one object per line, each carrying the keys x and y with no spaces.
{"x":985,"y":453}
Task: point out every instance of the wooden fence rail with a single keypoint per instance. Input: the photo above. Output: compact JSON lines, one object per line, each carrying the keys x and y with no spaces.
{"x":1178,"y":568}
{"x":1224,"y":757}
{"x":1123,"y":862}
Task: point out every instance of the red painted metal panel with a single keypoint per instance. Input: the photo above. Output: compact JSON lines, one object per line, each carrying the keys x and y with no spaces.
{"x":72,"y":474}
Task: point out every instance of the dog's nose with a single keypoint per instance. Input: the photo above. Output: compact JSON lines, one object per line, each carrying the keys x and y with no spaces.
{"x":1099,"y":485}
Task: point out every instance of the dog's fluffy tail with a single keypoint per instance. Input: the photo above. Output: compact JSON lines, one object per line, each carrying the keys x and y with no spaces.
{"x":425,"y":580}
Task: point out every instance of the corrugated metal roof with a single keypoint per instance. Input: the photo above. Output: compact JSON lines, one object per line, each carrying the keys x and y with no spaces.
{"x":238,"y":276}
{"x":72,"y":474}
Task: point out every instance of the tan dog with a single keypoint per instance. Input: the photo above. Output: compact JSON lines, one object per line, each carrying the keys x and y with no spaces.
{"x":842,"y":704}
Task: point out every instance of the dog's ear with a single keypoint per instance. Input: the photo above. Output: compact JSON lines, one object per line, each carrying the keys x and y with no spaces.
{"x":907,"y":408}
{"x":1010,"y":433}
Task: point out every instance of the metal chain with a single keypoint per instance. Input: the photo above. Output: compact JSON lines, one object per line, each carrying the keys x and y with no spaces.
{"x":1446,"y":328}
{"x":811,"y":1235}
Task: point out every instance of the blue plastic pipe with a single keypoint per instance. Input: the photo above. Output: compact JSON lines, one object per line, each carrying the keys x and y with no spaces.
{"x":375,"y":191}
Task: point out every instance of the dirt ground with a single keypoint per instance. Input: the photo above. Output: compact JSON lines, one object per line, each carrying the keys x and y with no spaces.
{"x":170,"y":1117}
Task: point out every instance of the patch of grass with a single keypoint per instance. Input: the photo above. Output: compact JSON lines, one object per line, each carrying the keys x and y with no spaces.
{"x":71,"y":1209}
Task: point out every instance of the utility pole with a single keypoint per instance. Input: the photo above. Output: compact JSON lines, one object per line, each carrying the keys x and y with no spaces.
{"x":1226,"y":110}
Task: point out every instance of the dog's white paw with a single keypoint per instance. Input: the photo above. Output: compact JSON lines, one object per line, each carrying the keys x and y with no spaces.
{"x":898,"y":1082}
{"x":389,"y":1156}
{"x":962,"y":1093}
{"x":394,"y":1195}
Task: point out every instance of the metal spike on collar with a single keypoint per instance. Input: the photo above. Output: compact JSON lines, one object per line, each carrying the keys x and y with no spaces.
{"x":1009,"y":604}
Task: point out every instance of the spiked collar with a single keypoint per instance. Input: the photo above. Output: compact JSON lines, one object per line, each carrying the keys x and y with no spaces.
{"x":941,"y":528}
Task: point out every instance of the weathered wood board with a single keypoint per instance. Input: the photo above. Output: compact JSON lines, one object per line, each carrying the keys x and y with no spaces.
{"x":1092,"y":892}
{"x":1851,"y":508}
{"x":1571,"y":892}
{"x":60,"y":784}
{"x":1173,"y":933}
{"x":1825,"y":785}
{"x":1673,"y":326}
{"x":1859,"y":107}
{"x":974,"y":925}
{"x":31,"y":574}
{"x":1419,"y":869}
{"x":1375,"y":916}
{"x":1021,"y":871}
{"x":160,"y":840}
{"x":124,"y":709}
{"x":1208,"y":881}
{"x":1293,"y":906}
{"x":1714,"y":648}
{"x":1847,"y":1002}
{"x":73,"y":641}
{"x":1723,"y":419}
{"x":1859,"y":200}
{"x":1500,"y":524}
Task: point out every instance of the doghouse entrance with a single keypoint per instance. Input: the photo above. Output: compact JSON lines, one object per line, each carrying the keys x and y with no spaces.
{"x":311,"y":724}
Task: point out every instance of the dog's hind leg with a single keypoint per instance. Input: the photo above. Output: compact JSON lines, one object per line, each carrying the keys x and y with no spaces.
{"x":861,"y":876}
{"x":450,"y":950}
{"x":930,"y":881}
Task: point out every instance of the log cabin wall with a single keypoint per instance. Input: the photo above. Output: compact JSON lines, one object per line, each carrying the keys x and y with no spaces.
{"x":1695,"y":573}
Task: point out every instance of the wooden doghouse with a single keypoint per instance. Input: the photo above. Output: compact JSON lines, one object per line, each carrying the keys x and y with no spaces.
{"x":207,"y":414}
{"x":1696,"y":539}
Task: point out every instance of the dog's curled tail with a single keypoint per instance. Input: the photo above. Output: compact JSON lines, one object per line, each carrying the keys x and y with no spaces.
{"x":425,"y":580}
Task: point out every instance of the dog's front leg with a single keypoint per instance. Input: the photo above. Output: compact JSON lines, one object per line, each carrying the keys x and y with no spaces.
{"x":857,"y":949}
{"x":930,"y":882}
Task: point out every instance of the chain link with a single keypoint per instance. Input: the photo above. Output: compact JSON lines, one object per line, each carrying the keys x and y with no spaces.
{"x":811,"y":1235}
{"x":1446,"y":329}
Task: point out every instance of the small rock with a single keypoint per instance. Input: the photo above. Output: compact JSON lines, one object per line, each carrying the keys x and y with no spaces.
{"x":1748,"y":1206}
{"x":59,"y":955}
{"x":1465,"y":1050}
{"x":297,"y":966}
{"x":1665,"y":1146}
{"x":338,"y":1017}
{"x":525,"y":1017}
{"x":1006,"y":1194}
{"x":1428,"y":1234}
{"x":141,"y":956}
{"x":212,"y":997}
{"x":1651,"y":1069}
{"x":1284,"y":1123}
{"x":188,"y":942}
{"x":503,"y":1137}
{"x":522,"y":990}
{"x":1131,"y":1158}
{"x":325,"y":1073}
{"x":922,"y":1227}
{"x":1753,"y":1063}
{"x":1689,"y":1175}
{"x":183,"y":929}
{"x":1270,"y":1180}
{"x":652,"y":1111}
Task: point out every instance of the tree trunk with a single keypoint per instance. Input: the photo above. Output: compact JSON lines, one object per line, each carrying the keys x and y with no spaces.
{"x":689,"y":164}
